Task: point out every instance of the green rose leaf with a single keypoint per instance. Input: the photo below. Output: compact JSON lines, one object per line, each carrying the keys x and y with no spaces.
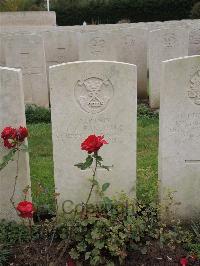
{"x":8,"y":157}
{"x":105,"y":186}
{"x":105,"y":167}
{"x":98,"y":158}
{"x":86,"y":164}
{"x":87,"y":255}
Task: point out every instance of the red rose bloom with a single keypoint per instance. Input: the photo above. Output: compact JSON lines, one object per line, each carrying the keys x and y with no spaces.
{"x":8,"y":133}
{"x":12,"y":136}
{"x":22,"y":133}
{"x":26,"y":209}
{"x":184,"y":262}
{"x":70,"y":262}
{"x":93,"y":143}
{"x":9,"y":144}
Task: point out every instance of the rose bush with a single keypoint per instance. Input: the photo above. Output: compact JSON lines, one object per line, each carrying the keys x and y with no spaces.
{"x":13,"y":139}
{"x":92,"y":144}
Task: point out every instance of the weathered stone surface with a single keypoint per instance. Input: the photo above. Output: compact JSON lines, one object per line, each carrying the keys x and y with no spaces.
{"x":94,"y":97}
{"x":31,"y":18}
{"x":131,"y":45}
{"x":12,"y":113}
{"x":164,"y":44}
{"x":60,"y":46}
{"x":179,"y":158}
{"x":26,"y":51}
{"x":98,"y":45}
{"x":194,"y":41}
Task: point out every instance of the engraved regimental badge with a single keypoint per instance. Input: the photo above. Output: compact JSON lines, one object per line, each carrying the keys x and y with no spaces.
{"x":169,"y":40}
{"x":194,"y":91}
{"x":93,"y":94}
{"x":97,"y":45}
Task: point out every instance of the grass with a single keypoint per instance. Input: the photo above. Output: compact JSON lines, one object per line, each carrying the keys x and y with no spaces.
{"x":41,"y":164}
{"x":41,"y":161}
{"x":147,"y":159}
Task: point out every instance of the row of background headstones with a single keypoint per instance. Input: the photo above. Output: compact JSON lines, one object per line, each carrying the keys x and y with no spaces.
{"x":73,"y":119}
{"x":134,"y":43}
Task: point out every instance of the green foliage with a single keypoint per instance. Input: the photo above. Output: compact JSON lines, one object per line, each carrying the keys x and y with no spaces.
{"x":19,"y":5}
{"x":194,"y":245}
{"x":72,"y":12}
{"x":195,"y":13}
{"x":13,"y":233}
{"x":4,"y":255}
{"x":143,"y":112}
{"x":36,"y":114}
{"x":106,"y":233}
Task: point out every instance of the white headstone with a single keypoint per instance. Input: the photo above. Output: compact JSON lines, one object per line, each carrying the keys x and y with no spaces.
{"x":179,"y":159}
{"x":164,"y":44}
{"x":194,"y":43}
{"x":28,"y":18}
{"x":61,"y":46}
{"x":131,"y":45}
{"x":12,"y":113}
{"x":97,"y":45}
{"x":26,"y":51}
{"x":93,"y":97}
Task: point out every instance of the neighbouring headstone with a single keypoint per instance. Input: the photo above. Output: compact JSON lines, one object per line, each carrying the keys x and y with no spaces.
{"x":98,"y":45}
{"x":194,"y":42}
{"x":131,"y":45}
{"x":26,"y":51}
{"x":179,"y":158}
{"x":28,"y":18}
{"x":2,"y":53}
{"x":164,"y":44}
{"x":61,"y":46}
{"x":12,"y":113}
{"x":93,"y":97}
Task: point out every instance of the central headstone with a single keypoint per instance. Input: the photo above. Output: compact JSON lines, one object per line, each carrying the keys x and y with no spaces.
{"x":93,"y":97}
{"x":179,"y":159}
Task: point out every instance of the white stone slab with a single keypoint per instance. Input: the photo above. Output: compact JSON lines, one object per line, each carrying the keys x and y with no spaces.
{"x":26,"y":51}
{"x":131,"y":45}
{"x":113,"y":114}
{"x":25,"y":18}
{"x":60,"y":46}
{"x":164,"y":44}
{"x":97,"y":46}
{"x":194,"y":41}
{"x":179,"y":158}
{"x":12,"y":113}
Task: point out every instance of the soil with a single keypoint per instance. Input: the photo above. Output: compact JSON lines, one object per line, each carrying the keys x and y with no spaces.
{"x":35,"y":255}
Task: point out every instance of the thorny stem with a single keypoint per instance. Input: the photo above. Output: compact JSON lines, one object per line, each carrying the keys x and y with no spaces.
{"x":93,"y":179}
{"x":16,"y":178}
{"x":30,"y":228}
